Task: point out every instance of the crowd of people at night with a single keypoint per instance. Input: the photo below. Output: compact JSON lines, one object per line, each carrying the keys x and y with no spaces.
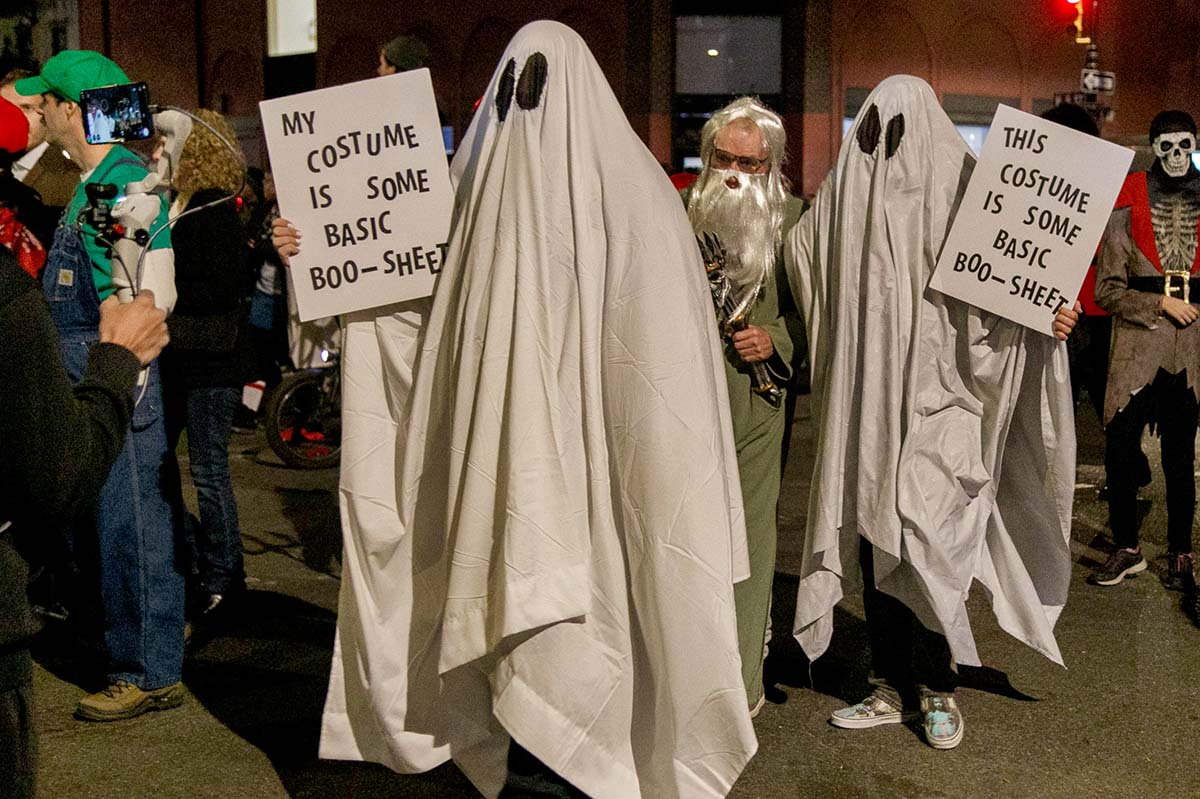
{"x":561,"y":471}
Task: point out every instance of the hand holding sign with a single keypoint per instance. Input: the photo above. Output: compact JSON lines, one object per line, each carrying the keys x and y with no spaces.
{"x":1031,"y":218}
{"x":1065,"y":320}
{"x":285,"y":239}
{"x":363,"y":169}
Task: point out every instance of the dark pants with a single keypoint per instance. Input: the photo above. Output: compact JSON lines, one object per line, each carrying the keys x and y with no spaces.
{"x":530,"y":778}
{"x":268,"y":337}
{"x":18,"y":746}
{"x":215,"y":545}
{"x":1171,"y":406}
{"x":1087,"y":349}
{"x":907,"y":658}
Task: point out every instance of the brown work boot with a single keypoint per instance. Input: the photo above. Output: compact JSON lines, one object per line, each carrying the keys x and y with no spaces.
{"x":124,"y":700}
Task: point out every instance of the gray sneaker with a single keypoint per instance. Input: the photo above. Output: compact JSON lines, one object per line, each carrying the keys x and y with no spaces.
{"x":943,"y":721}
{"x":871,"y":712}
{"x":1121,"y":564}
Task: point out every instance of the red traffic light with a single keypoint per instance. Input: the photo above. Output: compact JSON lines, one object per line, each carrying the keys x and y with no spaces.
{"x":1069,"y":13}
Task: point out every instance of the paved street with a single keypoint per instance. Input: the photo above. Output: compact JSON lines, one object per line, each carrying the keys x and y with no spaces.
{"x":1121,"y":721}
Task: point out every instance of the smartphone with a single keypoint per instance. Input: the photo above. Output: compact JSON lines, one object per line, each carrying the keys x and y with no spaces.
{"x":116,"y":113}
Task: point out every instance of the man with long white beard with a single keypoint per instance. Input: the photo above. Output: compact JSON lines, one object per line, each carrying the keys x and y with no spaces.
{"x":741,"y":197}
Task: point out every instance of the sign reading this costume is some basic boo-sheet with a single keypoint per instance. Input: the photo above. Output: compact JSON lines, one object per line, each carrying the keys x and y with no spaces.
{"x":1031,"y":218}
{"x":361,"y":172}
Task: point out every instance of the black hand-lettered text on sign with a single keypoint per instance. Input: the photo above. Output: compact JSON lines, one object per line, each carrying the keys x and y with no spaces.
{"x":1031,"y":218}
{"x":361,"y":171}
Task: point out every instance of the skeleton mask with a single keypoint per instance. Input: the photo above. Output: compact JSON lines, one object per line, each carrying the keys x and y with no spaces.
{"x":1174,"y":151}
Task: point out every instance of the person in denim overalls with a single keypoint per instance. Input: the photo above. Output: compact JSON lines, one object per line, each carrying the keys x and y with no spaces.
{"x":141,"y":587}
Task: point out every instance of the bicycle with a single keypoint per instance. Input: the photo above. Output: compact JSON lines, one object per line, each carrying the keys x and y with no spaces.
{"x":303,"y":421}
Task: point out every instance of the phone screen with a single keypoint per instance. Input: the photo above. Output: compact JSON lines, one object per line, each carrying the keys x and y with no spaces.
{"x":116,"y":113}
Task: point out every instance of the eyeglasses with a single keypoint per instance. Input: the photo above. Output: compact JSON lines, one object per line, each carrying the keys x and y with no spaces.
{"x":724,"y":160}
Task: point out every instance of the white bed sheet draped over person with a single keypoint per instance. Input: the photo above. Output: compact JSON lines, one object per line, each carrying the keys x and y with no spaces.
{"x":945,"y":433}
{"x":362,"y":719}
{"x":570,"y":519}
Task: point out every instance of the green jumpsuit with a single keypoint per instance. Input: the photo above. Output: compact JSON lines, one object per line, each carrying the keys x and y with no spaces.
{"x":758,"y":437}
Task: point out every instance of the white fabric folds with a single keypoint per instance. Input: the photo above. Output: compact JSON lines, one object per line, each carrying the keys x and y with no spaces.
{"x":945,"y":434}
{"x":570,"y":526}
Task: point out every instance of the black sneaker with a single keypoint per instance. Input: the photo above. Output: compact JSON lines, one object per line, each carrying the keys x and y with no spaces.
{"x":1121,"y":564}
{"x":245,"y":420}
{"x":1179,"y":575}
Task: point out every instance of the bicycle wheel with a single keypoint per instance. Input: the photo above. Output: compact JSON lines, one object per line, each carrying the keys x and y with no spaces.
{"x":303,"y":424}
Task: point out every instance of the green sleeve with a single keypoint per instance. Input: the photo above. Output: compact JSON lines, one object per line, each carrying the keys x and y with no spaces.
{"x":767,"y":316}
{"x":102,"y":265}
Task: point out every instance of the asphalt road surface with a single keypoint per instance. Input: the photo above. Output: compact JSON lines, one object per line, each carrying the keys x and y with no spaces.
{"x":1122,"y":720}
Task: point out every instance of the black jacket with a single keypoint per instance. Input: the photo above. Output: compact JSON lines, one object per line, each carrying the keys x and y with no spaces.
{"x":209,"y":342}
{"x":59,"y":444}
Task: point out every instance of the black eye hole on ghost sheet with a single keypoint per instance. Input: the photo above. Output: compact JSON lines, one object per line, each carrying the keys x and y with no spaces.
{"x":895,"y":132}
{"x":504,"y":89}
{"x":868,"y":131}
{"x":871,"y":129}
{"x":532,"y":82}
{"x":527,"y":90}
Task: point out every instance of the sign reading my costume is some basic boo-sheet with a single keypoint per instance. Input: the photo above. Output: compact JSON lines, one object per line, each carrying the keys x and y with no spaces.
{"x":1031,"y":218}
{"x":360,"y":170}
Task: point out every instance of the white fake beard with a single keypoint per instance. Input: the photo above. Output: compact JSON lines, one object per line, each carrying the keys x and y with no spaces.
{"x":745,"y":219}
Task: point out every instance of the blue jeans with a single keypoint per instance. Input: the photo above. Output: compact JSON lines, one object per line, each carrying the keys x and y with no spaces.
{"x":141,"y":585}
{"x":216,"y":545}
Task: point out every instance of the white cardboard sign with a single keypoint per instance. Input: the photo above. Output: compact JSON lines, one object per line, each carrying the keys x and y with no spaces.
{"x":1031,"y":218}
{"x":361,"y":172}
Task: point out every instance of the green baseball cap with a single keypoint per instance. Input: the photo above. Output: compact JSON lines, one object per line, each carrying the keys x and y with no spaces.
{"x":71,"y":72}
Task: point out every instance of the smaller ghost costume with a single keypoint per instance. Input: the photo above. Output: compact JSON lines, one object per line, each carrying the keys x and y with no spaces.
{"x":945,"y":434}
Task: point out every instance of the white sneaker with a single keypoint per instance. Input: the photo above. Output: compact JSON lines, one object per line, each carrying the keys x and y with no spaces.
{"x":871,"y":712}
{"x":943,"y":721}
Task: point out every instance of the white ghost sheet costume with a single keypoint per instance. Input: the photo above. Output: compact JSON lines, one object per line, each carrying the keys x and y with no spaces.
{"x":362,"y":720}
{"x":945,"y":433}
{"x":570,"y":519}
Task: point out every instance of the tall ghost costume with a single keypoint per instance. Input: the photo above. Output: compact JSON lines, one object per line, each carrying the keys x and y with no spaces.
{"x":945,"y":434}
{"x":570,"y":521}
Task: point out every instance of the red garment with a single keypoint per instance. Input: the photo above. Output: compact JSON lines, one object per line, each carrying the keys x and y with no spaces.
{"x":1135,"y":195}
{"x":14,"y":128}
{"x":30,"y":253}
{"x":681,"y":180}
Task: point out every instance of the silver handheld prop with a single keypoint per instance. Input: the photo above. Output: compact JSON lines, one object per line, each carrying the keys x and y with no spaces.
{"x":732,"y":312}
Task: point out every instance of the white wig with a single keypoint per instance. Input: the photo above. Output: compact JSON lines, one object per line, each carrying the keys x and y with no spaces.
{"x":767,"y":121}
{"x":751,"y":225}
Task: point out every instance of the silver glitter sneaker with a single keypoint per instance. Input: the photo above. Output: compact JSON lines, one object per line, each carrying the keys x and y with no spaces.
{"x":871,"y":712}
